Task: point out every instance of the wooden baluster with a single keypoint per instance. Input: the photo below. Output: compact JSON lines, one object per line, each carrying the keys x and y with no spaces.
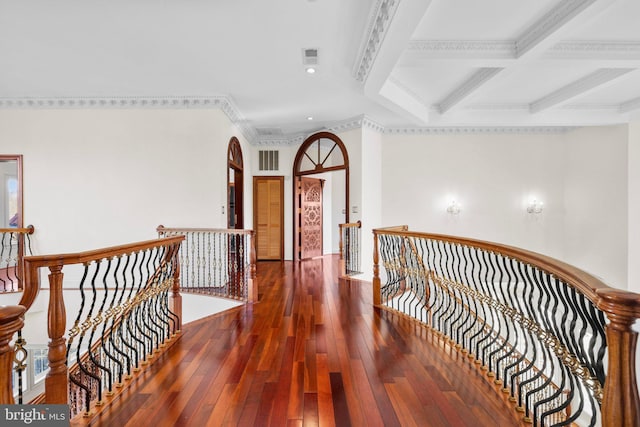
{"x":57,"y":380}
{"x":253,"y":284}
{"x":376,"y":270}
{"x":11,"y":321}
{"x":342,"y":272}
{"x":620,"y":404}
{"x":175,"y":299}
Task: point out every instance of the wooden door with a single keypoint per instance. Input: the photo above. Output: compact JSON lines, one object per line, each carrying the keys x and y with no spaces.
{"x":268,"y":200}
{"x":310,"y":218}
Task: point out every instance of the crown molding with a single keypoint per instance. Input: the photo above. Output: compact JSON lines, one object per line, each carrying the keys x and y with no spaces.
{"x":617,"y":49}
{"x":222,"y":102}
{"x":378,"y":24}
{"x":578,"y":87}
{"x":550,"y":23}
{"x":358,"y":122}
{"x":504,"y":49}
{"x":591,"y":107}
{"x":466,"y":130}
{"x":479,"y":78}
{"x":285,"y":140}
{"x":497,"y":107}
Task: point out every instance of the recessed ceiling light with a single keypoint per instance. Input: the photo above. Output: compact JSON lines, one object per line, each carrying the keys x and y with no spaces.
{"x":310,"y":70}
{"x":309,"y":118}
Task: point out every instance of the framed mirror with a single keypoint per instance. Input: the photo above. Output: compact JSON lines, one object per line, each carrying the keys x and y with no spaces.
{"x":11,"y":191}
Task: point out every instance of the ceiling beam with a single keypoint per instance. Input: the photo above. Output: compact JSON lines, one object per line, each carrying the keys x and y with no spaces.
{"x":629,"y":106}
{"x":391,"y":25}
{"x":502,"y":53}
{"x":469,"y":86}
{"x":553,"y":25}
{"x":577,"y":88}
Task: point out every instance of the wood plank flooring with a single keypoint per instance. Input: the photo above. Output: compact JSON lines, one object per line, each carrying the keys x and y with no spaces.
{"x":311,"y":352}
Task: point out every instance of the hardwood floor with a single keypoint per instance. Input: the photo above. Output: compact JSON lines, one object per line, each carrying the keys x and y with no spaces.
{"x":311,"y":352}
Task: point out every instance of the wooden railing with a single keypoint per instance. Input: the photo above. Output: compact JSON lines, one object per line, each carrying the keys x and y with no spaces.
{"x":130,"y":311}
{"x":554,"y":339}
{"x":350,"y":253}
{"x":218,"y":262}
{"x":15,"y":244}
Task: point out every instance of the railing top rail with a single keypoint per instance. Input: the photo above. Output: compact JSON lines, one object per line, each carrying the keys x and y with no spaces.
{"x":163,"y":229}
{"x":351,"y":224}
{"x":98,"y":254}
{"x":592,"y":287}
{"x":29,"y":229}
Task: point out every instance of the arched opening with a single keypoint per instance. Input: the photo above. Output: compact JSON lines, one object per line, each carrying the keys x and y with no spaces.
{"x":319,"y":154}
{"x":235,"y":180}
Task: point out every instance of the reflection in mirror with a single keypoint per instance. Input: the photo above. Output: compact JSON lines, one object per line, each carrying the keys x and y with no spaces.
{"x":10,"y":191}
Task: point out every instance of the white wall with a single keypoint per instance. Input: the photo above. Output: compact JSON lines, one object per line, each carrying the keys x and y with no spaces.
{"x":372,"y":202}
{"x":633,"y":194}
{"x":95,"y":178}
{"x":595,"y":197}
{"x":100,"y":177}
{"x":492,"y":176}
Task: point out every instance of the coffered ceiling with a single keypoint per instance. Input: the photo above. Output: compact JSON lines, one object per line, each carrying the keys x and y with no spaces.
{"x":397,"y":65}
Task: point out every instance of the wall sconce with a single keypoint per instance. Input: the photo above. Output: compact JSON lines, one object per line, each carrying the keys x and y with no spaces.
{"x":453,"y":208}
{"x":535,"y":207}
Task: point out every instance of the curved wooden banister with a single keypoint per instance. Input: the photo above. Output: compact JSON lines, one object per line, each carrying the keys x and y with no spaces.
{"x":620,"y":405}
{"x":11,"y":321}
{"x":57,"y":380}
{"x":583,"y":281}
{"x":38,"y":261}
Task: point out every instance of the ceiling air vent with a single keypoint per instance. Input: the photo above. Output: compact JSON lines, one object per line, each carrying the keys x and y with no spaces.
{"x":268,"y":160}
{"x":310,"y":56}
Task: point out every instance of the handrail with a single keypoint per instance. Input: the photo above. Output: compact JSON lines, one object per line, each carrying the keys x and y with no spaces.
{"x":168,"y":230}
{"x":130,"y":310}
{"x":218,"y":262}
{"x":58,"y":260}
{"x":586,"y":282}
{"x":518,"y":300}
{"x":29,"y":229}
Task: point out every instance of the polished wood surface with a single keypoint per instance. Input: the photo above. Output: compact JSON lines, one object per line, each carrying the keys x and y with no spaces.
{"x":311,"y":352}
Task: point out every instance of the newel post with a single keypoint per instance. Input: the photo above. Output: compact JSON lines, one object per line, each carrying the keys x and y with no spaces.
{"x":376,"y":270}
{"x":11,"y":321}
{"x":620,"y":403}
{"x":57,"y":380}
{"x":175,"y":299}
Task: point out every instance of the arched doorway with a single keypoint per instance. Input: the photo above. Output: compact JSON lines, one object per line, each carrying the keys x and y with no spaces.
{"x":320,"y":153}
{"x":235,"y":184}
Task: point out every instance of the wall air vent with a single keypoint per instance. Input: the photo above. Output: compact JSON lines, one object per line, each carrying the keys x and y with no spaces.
{"x":268,"y":160}
{"x":310,"y":56}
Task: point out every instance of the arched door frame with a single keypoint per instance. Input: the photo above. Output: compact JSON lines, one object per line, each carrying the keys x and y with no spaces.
{"x":235,"y":164}
{"x":319,"y":168}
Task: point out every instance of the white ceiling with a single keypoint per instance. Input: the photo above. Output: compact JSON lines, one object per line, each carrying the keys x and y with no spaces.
{"x":401,"y":64}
